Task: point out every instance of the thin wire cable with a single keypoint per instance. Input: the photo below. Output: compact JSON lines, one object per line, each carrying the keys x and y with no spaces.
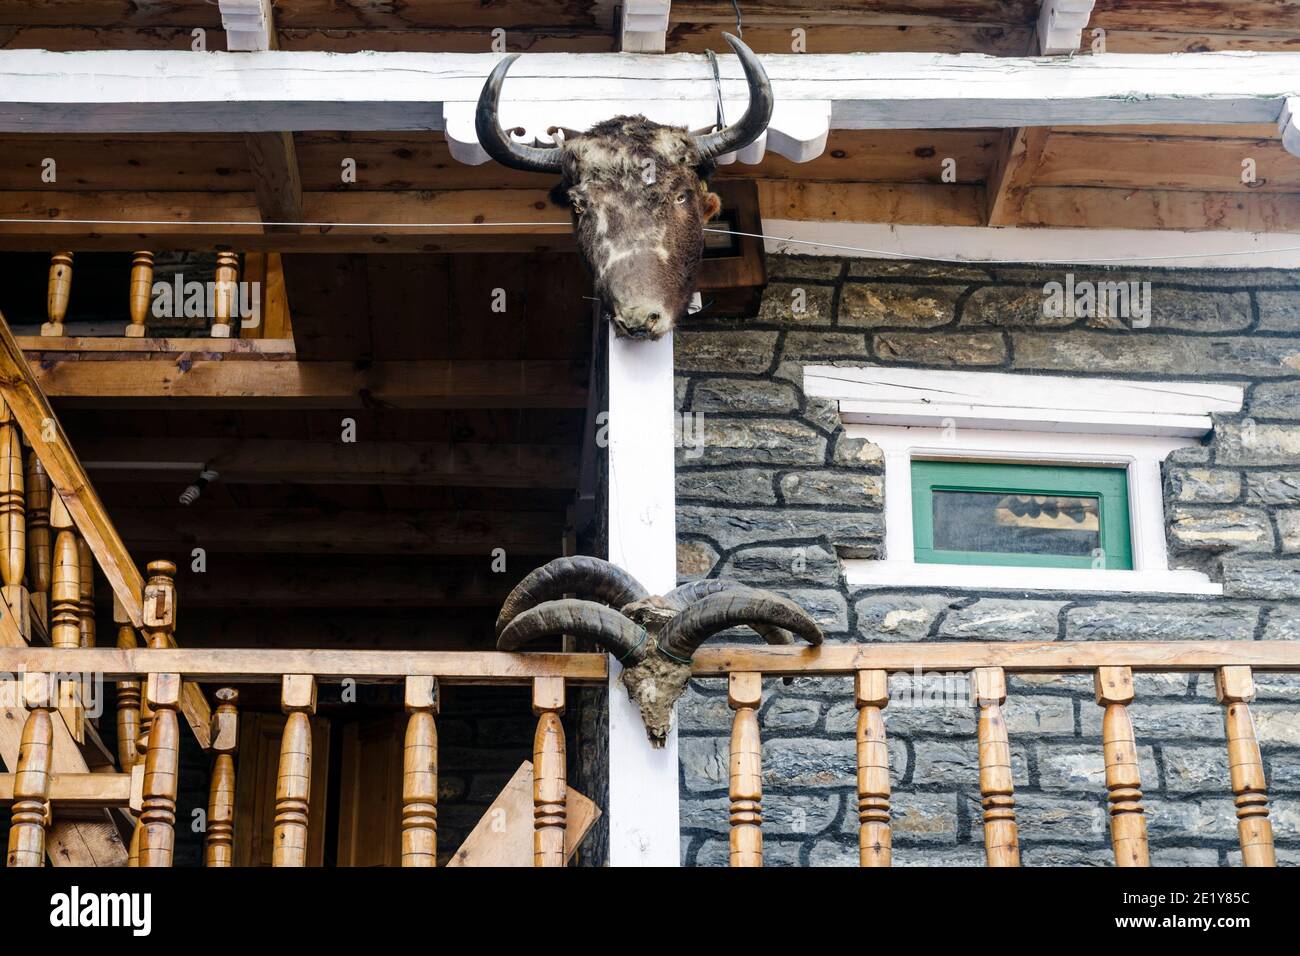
{"x":881,"y":253}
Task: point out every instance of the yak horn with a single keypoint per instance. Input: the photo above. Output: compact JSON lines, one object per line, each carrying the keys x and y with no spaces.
{"x":683,"y":635}
{"x":757,"y":115}
{"x":587,"y":578}
{"x":496,"y":141}
{"x":615,"y":633}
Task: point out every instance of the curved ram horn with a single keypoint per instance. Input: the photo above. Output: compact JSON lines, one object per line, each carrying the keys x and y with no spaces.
{"x":684,"y":595}
{"x":615,"y":633}
{"x":586,"y":578}
{"x":496,"y":141}
{"x":757,"y":115}
{"x":683,"y":635}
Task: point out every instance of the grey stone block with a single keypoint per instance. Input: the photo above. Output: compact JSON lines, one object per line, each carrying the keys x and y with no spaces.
{"x":1275,"y":400}
{"x":1276,"y":578}
{"x":783,"y":566}
{"x":966,"y":350}
{"x":695,"y":559}
{"x":1219,"y":528}
{"x":744,"y":395}
{"x":1002,"y":619}
{"x":1273,"y":487}
{"x":823,"y":487}
{"x":888,"y":616}
{"x":743,"y":486}
{"x":753,"y":441}
{"x":876,"y":305}
{"x":793,"y":304}
{"x":1005,"y":306}
{"x":1203,"y":485}
{"x":1256,"y":443}
{"x":1279,"y":311}
{"x":1187,"y":620}
{"x":1136,"y":353}
{"x":751,"y":352}
{"x":1082,"y":766}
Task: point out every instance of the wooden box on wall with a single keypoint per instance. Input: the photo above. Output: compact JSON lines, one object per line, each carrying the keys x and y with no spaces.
{"x":732,"y":275}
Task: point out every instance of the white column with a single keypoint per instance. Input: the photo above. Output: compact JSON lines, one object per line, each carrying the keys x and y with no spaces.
{"x":643,"y":813}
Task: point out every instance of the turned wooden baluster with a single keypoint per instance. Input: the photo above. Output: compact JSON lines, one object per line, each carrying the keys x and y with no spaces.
{"x":997,"y":788}
{"x":57,"y":293}
{"x":40,"y":557}
{"x":420,"y":774}
{"x":223,"y":300}
{"x":141,"y":293}
{"x":219,"y":844}
{"x":293,"y":785}
{"x":157,"y":826}
{"x":1235,"y":688}
{"x":31,"y":806}
{"x":871,"y":696}
{"x":86,"y":605}
{"x":128,"y":695}
{"x":1128,"y":824}
{"x":158,"y":620}
{"x":13,"y":520}
{"x":744,"y":694}
{"x":65,"y":609}
{"x":550,"y":785}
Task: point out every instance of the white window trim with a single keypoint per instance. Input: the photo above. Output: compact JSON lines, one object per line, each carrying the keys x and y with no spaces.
{"x":1030,"y":418}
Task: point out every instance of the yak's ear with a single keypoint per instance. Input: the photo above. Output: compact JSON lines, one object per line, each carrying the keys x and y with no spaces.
{"x":710,"y":206}
{"x":560,"y":195}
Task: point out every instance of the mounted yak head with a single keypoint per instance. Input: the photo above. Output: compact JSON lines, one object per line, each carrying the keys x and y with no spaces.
{"x":639,"y":195}
{"x":652,"y":637}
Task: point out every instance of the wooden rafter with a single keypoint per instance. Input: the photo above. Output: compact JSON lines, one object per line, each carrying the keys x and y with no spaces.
{"x":249,"y":24}
{"x":1061,"y":24}
{"x":644,"y":28}
{"x":1009,"y":182}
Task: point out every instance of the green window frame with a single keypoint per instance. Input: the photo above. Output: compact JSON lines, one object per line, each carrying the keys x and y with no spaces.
{"x":1109,"y":485}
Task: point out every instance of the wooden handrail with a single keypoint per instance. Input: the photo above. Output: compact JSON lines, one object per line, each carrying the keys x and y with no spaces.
{"x":1019,"y":657}
{"x":1111,"y":664}
{"x":41,"y":427}
{"x":267,"y":666}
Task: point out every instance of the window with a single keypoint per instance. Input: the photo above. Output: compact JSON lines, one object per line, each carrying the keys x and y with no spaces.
{"x":1024,"y":515}
{"x":1016,"y":482}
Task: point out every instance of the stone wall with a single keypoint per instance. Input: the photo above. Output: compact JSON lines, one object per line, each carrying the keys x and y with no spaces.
{"x":775,"y":493}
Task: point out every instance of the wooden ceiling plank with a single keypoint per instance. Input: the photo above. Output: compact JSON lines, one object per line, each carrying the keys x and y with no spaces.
{"x":315,"y":531}
{"x":201,"y":382}
{"x":261,"y":461}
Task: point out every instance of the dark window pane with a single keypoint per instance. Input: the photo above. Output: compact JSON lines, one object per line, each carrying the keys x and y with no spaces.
{"x":1015,"y":524}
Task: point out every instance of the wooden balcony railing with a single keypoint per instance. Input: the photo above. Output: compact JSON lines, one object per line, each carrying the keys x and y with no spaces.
{"x":260,"y":268}
{"x":36,"y":785}
{"x":54,"y":533}
{"x":1111,"y":665}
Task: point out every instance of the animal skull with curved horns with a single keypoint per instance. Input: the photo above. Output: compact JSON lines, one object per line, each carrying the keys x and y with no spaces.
{"x":652,"y":637}
{"x":639,"y":195}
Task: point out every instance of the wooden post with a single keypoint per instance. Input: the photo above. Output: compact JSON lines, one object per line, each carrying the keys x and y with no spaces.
{"x":58,"y":292}
{"x":875,"y":842}
{"x":744,"y":694}
{"x":86,"y":607}
{"x":128,"y":696}
{"x":219,"y":844}
{"x":1235,"y":688}
{"x":223,"y":299}
{"x":31,"y":806}
{"x":293,"y":785}
{"x":13,"y":519}
{"x":550,"y":786}
{"x":997,"y":788}
{"x":1128,"y":825}
{"x":39,"y":555}
{"x":141,"y":293}
{"x":157,"y":827}
{"x":65,"y":609}
{"x":420,"y":774}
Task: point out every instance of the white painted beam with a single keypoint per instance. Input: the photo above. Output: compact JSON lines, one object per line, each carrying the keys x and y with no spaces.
{"x":644,"y":828}
{"x":247,"y":24}
{"x":182,"y":91}
{"x":645,"y":26}
{"x":1061,"y":24}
